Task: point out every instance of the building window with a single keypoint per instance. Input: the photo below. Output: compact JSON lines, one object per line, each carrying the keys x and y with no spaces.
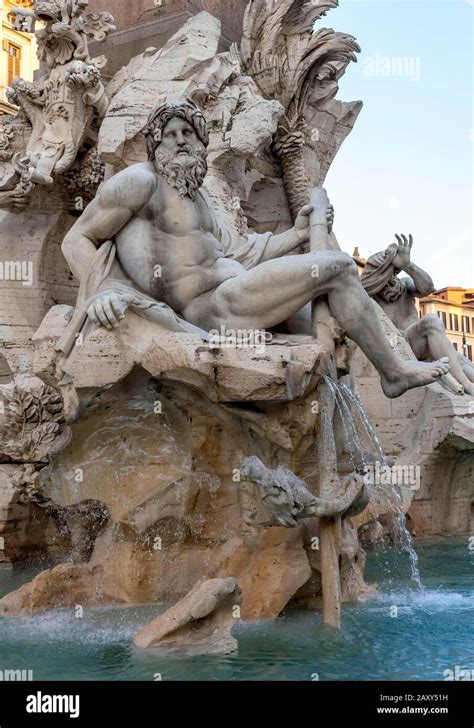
{"x":14,"y":62}
{"x":453,"y":322}
{"x":466,"y":324}
{"x":455,"y":345}
{"x":442,"y":316}
{"x":469,"y":352}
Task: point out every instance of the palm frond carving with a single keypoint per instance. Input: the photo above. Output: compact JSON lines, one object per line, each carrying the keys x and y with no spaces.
{"x":295,"y":64}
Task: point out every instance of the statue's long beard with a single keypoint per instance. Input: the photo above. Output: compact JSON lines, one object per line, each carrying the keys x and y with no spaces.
{"x":185,"y":175}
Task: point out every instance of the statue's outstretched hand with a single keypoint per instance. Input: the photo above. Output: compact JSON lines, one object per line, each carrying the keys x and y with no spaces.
{"x":403,"y":257}
{"x":108,"y":310}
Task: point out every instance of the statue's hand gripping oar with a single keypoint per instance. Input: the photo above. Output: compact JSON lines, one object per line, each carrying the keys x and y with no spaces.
{"x":323,"y":327}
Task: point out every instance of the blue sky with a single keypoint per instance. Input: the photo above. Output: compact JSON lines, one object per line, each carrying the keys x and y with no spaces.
{"x":407,"y":166}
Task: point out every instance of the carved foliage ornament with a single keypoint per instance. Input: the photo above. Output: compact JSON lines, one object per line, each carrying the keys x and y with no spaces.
{"x":292,"y":62}
{"x":31,"y":420}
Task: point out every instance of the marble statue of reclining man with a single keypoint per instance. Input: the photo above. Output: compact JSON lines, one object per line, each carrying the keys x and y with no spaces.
{"x":396,"y":296}
{"x":151,"y":241}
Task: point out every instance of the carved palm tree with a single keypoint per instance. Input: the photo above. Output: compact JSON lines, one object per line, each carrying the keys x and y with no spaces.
{"x":291,"y":62}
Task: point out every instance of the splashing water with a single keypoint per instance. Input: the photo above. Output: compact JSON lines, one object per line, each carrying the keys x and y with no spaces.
{"x":354,"y":399}
{"x":434,"y":635}
{"x":406,"y":537}
{"x":346,"y":401}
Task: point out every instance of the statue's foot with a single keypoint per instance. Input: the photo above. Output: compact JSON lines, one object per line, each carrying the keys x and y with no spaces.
{"x":414,"y":374}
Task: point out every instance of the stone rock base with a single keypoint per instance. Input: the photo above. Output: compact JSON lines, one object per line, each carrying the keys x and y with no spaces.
{"x":200,"y":623}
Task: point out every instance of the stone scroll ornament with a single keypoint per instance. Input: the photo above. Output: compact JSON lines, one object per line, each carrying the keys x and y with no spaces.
{"x":61,"y":105}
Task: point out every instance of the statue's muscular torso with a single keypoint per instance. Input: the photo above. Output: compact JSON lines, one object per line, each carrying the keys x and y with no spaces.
{"x":169,"y":250}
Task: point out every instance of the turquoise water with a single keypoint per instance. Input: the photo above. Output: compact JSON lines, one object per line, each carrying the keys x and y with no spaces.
{"x":432,"y":632}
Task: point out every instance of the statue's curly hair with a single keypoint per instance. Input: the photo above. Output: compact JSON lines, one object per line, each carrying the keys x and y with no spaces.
{"x":182,"y":108}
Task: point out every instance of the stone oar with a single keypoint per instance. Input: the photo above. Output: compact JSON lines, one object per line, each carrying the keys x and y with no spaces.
{"x":329,"y":528}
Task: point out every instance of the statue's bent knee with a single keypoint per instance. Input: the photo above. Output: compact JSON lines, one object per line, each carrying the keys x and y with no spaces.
{"x":344,"y":265}
{"x":432,"y":322}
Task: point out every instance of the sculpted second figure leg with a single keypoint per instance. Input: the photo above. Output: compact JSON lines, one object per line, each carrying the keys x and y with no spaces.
{"x":429,"y":337}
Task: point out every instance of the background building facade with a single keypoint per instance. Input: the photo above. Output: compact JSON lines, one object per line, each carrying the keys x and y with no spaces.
{"x":455,"y":307}
{"x":17,"y":52}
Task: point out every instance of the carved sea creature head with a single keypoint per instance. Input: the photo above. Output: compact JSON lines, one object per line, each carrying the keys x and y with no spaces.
{"x":253,"y":470}
{"x":177,"y":140}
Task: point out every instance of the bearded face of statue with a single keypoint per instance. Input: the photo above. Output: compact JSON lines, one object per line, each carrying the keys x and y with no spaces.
{"x":181,"y":157}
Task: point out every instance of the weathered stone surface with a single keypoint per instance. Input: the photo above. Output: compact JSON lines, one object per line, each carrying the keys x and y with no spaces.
{"x":33,"y":242}
{"x":64,"y":586}
{"x":173,"y":69}
{"x":181,"y":516}
{"x":199,"y":623}
{"x":275,"y":372}
{"x":162,"y":458}
{"x":353,"y":586}
{"x":26,"y":530}
{"x":33,"y":526}
{"x":142,"y":25}
{"x":134,"y":15}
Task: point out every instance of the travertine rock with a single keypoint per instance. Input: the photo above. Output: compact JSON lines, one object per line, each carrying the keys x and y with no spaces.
{"x":34,"y":526}
{"x":162,"y":457}
{"x":277,"y":371}
{"x":353,"y":586}
{"x":34,"y":240}
{"x":199,"y":623}
{"x":26,"y":531}
{"x":65,"y":586}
